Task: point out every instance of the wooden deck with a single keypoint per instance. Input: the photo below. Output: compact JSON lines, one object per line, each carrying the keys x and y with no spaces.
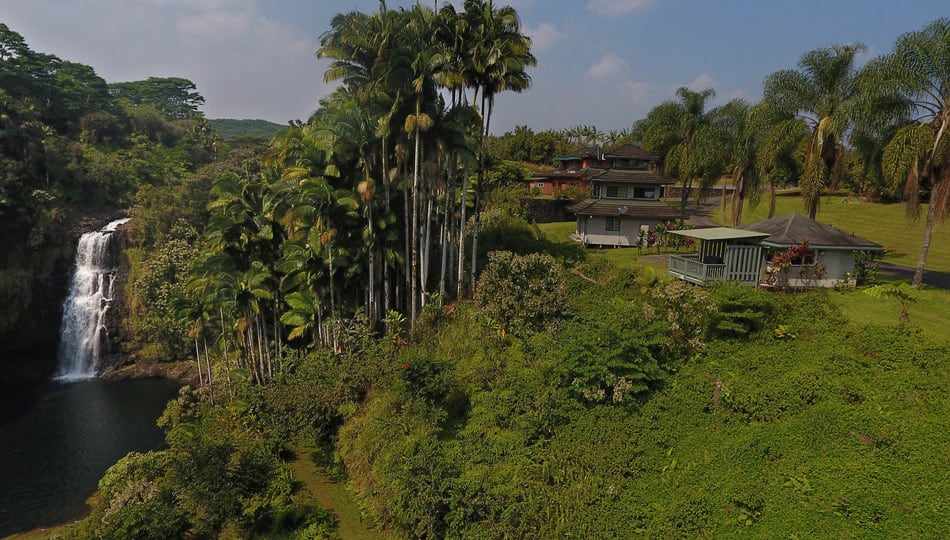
{"x":742,"y":263}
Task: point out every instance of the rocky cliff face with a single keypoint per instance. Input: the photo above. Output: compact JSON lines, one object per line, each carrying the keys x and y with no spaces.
{"x":31,"y":298}
{"x":112,"y":359}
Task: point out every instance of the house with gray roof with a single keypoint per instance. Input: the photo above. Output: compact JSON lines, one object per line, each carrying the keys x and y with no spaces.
{"x":626,"y":197}
{"x":825,"y":255}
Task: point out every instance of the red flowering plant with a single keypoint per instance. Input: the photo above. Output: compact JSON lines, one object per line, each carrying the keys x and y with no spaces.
{"x":782,"y":262}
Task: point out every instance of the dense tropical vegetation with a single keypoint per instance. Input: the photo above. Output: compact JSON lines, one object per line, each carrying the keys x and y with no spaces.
{"x":366,"y":281}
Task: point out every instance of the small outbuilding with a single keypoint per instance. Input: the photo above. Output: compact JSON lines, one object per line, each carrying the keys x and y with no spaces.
{"x":823,"y":255}
{"x":830,"y":256}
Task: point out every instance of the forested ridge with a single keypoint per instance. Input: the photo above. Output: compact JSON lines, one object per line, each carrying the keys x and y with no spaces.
{"x":366,"y":282}
{"x":229,"y":128}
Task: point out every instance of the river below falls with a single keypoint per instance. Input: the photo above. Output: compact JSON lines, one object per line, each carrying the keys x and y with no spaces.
{"x":57,"y":440}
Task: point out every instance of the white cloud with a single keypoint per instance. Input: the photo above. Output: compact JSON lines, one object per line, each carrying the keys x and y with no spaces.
{"x":245,"y":63}
{"x":543,"y":37}
{"x":609,"y":66}
{"x":702,"y":82}
{"x":616,"y":7}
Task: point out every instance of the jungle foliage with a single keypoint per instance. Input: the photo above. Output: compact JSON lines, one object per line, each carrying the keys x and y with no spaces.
{"x":321,"y":282}
{"x":801,"y":424}
{"x":73,"y":146}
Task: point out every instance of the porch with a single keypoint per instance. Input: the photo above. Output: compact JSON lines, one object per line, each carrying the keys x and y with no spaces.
{"x":691,"y":268}
{"x":724,"y":255}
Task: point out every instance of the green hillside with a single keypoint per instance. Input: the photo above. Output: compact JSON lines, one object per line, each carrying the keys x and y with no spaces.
{"x":229,"y":128}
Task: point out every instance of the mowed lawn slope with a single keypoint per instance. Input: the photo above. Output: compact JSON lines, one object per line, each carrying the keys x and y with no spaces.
{"x":886,"y":224}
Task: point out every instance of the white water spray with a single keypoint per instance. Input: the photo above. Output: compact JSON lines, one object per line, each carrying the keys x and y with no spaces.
{"x":83,"y":329}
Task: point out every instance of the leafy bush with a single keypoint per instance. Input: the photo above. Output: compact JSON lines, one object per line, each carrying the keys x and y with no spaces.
{"x":739,"y":311}
{"x":615,"y":356}
{"x":425,"y":379}
{"x":687,"y":310}
{"x":524,"y":294}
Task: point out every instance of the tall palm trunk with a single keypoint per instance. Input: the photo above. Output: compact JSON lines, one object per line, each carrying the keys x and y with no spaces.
{"x":427,"y":249}
{"x":201,"y":380}
{"x":482,"y":164}
{"x":461,"y":235}
{"x":209,"y":372}
{"x":227,"y":358}
{"x":925,"y":245}
{"x":414,"y":267}
{"x":447,"y":222}
{"x":738,"y":195}
{"x":386,"y":202}
{"x":371,"y":309}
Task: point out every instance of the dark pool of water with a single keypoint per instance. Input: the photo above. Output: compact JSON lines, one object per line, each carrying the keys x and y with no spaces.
{"x":57,"y":440}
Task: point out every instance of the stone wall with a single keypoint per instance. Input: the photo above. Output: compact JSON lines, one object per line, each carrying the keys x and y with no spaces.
{"x":547,"y":210}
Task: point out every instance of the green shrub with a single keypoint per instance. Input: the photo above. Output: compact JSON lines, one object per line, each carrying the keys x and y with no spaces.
{"x":524,"y":294}
{"x":687,"y":310}
{"x":739,"y":311}
{"x":615,"y":356}
{"x":425,"y":379}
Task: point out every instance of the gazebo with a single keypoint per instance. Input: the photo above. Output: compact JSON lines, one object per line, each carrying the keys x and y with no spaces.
{"x":725,"y":254}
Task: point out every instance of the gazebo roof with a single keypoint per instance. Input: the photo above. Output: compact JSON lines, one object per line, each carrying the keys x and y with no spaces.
{"x":793,"y":229}
{"x":719,"y":233}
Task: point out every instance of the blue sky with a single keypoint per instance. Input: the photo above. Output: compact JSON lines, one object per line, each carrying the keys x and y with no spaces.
{"x":600,"y":62}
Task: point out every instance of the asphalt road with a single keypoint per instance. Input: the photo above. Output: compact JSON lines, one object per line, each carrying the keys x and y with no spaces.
{"x":932,"y":278}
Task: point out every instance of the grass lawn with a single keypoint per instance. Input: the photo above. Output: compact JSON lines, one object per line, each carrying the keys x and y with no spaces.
{"x":886,"y":224}
{"x":625,"y":258}
{"x":929,"y":312}
{"x":318,"y":485}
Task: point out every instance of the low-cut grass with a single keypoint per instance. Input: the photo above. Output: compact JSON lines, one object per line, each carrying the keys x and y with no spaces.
{"x":318,"y":485}
{"x":625,"y":258}
{"x":886,"y":224}
{"x":928,"y":312}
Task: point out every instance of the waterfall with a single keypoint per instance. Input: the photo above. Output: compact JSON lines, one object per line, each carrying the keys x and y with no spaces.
{"x":83,"y":330}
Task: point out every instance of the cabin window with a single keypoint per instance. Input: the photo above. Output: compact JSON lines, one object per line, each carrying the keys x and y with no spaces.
{"x":807,"y":259}
{"x":613,"y":224}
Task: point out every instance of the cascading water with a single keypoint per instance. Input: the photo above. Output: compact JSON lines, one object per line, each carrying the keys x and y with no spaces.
{"x":83,"y":330}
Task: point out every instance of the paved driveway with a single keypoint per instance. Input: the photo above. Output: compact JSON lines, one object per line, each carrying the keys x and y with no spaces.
{"x":931,"y":277}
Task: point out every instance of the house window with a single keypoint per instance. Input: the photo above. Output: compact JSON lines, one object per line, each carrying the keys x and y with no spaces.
{"x":539,"y":184}
{"x":807,"y":259}
{"x":613,"y":224}
{"x":644,"y":193}
{"x":613,"y":192}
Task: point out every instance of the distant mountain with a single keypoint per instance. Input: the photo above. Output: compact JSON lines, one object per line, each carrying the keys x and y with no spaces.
{"x":229,"y":128}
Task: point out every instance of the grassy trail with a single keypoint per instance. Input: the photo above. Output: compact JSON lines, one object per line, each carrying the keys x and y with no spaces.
{"x":318,"y":485}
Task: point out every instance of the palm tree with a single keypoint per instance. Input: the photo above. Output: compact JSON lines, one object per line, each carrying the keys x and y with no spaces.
{"x":670,"y":130}
{"x":498,"y":56}
{"x":370,"y":59}
{"x":822,"y":95}
{"x":755,"y":148}
{"x":915,"y":77}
